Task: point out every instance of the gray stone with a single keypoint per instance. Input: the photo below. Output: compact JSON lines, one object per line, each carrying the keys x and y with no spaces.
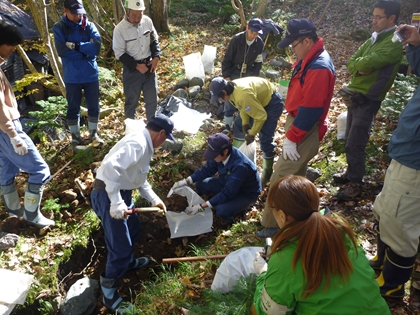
{"x":182,"y":84}
{"x":8,"y":240}
{"x":181,"y":93}
{"x":81,"y":299}
{"x":194,"y":90}
{"x":272,"y":74}
{"x":275,"y":63}
{"x":173,"y":146}
{"x":313,"y":174}
{"x":205,"y":92}
{"x":197,"y":81}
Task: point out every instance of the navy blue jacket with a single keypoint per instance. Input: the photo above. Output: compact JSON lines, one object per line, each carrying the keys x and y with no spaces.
{"x":239,"y":177}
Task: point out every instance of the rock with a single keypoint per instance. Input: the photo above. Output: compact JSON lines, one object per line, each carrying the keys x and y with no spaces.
{"x":272,"y":74}
{"x":184,"y":83}
{"x":81,"y":299}
{"x":68,"y":195}
{"x":205,"y":92}
{"x":74,"y":204}
{"x":197,"y":81}
{"x":275,"y":63}
{"x":313,"y":174}
{"x":173,"y":146}
{"x":8,"y":240}
{"x":181,"y":93}
{"x":194,"y":90}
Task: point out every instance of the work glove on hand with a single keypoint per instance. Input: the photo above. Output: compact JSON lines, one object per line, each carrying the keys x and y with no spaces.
{"x":260,"y":265}
{"x":290,"y":150}
{"x":157,"y":202}
{"x":73,"y":46}
{"x":249,"y":139}
{"x":246,"y":128}
{"x":193,"y":210}
{"x":180,"y":184}
{"x":19,"y":145}
{"x":117,"y":211}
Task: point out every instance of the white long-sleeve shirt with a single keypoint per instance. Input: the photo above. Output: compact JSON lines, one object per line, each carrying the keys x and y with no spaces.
{"x":126,"y":166}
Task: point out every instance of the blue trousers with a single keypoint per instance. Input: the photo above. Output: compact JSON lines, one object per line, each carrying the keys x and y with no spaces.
{"x":74,"y":99}
{"x":274,"y":110}
{"x":135,"y":82}
{"x":120,"y":235}
{"x":225,"y":210}
{"x":11,"y":163}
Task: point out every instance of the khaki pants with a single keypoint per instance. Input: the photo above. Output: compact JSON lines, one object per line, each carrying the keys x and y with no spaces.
{"x":307,"y":149}
{"x":397,"y":209}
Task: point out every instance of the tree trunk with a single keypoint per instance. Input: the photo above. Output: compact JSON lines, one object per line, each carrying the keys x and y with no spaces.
{"x":39,"y":12}
{"x":159,"y":14}
{"x":262,"y":7}
{"x":99,"y":15}
{"x":323,"y":14}
{"x":238,"y":7}
{"x":119,"y":11}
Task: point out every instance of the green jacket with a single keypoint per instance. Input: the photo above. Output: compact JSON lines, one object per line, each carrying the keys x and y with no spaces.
{"x":381,"y":61}
{"x":281,"y":288}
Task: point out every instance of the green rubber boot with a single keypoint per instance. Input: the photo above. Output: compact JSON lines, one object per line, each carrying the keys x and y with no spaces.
{"x":237,"y":143}
{"x":267,"y":171}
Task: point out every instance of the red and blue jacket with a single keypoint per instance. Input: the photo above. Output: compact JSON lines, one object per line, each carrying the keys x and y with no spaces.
{"x":310,"y":91}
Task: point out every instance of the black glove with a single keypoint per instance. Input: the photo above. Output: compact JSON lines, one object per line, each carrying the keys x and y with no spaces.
{"x":245,"y":128}
{"x":249,"y":139}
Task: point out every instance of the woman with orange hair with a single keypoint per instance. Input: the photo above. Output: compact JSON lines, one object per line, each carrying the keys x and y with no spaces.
{"x":315,"y":266}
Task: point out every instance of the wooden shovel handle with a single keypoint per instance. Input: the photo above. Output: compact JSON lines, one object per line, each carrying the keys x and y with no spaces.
{"x":144,"y":209}
{"x":187,"y":259}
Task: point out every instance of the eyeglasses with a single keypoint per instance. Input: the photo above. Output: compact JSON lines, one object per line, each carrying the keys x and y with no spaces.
{"x":378,"y":17}
{"x":292,"y":47}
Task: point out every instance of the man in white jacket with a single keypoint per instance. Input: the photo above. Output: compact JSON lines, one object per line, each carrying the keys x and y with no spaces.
{"x":124,"y":169}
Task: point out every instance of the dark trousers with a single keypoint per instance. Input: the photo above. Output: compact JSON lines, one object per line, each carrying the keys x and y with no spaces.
{"x":359,"y":122}
{"x":225,"y":210}
{"x":74,"y":99}
{"x":120,"y":235}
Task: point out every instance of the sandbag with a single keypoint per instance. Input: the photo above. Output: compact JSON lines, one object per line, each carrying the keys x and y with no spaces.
{"x":249,"y":150}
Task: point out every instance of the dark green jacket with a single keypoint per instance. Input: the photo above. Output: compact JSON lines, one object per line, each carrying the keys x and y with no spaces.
{"x":381,"y":61}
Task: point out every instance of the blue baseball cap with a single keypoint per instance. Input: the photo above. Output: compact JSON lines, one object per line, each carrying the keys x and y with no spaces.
{"x":255,"y":25}
{"x":74,"y":6}
{"x":216,"y":144}
{"x":216,"y":86}
{"x":163,"y":122}
{"x":297,"y":28}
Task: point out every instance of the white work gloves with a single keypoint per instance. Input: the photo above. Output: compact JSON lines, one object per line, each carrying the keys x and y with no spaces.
{"x":193,"y":210}
{"x":180,"y":184}
{"x":260,"y":265}
{"x":157,"y":202}
{"x":118,"y":210}
{"x":19,"y":145}
{"x":290,"y":150}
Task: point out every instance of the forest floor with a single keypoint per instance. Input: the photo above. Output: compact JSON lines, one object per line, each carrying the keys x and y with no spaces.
{"x":339,"y":29}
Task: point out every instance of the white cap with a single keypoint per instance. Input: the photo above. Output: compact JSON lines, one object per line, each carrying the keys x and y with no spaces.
{"x":137,"y":5}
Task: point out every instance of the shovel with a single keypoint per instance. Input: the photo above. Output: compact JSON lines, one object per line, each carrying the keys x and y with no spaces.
{"x":143,"y":209}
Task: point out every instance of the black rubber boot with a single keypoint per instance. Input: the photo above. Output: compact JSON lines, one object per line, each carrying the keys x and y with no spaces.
{"x":111,"y":299}
{"x":395,"y":273}
{"x":11,"y":200}
{"x":377,"y":261}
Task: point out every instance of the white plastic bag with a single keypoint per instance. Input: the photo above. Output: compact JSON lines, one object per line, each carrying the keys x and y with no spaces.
{"x":182,"y":224}
{"x":132,"y":125}
{"x":283,"y":88}
{"x":236,"y":265}
{"x":249,"y":150}
{"x":208,"y":57}
{"x":341,"y":125}
{"x":193,"y":66}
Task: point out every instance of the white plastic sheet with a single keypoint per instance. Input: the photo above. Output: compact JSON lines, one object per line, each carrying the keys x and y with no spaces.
{"x":132,"y":125}
{"x":14,"y":287}
{"x":193,"y":66}
{"x":249,"y":150}
{"x":182,"y":224}
{"x":188,"y":120}
{"x":236,"y":265}
{"x":208,"y":57}
{"x":341,"y":125}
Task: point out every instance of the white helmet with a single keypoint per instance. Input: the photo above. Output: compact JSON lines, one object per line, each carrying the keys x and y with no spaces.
{"x":137,"y":5}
